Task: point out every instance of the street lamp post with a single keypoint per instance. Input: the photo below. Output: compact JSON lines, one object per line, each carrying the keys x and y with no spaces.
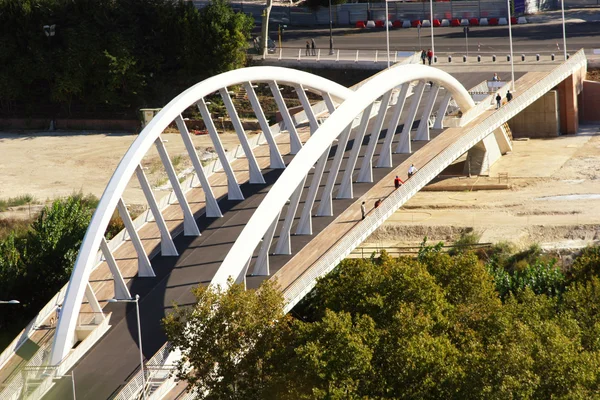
{"x":431,"y":25}
{"x":10,"y":302}
{"x":136,"y":300}
{"x":330,"y":30}
{"x":512,"y":66}
{"x":387,"y":32}
{"x":562,"y":8}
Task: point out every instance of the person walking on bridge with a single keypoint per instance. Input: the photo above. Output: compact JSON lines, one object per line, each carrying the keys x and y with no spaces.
{"x":498,"y":100}
{"x":307,"y":48}
{"x":423,"y":56}
{"x":412,"y":170}
{"x":429,"y":55}
{"x":509,"y":96}
{"x":397,"y":182}
{"x":313,"y":47}
{"x":363,"y":210}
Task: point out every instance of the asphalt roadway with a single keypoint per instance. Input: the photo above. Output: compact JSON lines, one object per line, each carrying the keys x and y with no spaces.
{"x":115,"y":358}
{"x":530,"y":38}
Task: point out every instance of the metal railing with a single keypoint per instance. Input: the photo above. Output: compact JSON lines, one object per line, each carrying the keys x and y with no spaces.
{"x":367,"y":251}
{"x":341,"y":248}
{"x":156,"y":364}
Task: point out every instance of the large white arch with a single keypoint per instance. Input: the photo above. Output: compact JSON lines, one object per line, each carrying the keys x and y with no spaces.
{"x":237,"y":259}
{"x":78,"y":283}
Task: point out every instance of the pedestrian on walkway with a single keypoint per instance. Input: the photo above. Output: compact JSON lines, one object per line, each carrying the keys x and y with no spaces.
{"x":429,"y":55}
{"x":509,"y":96}
{"x":58,"y":310}
{"x":412,"y":170}
{"x":307,"y":48}
{"x":397,"y":182}
{"x":495,"y":78}
{"x":313,"y":47}
{"x":498,"y":100}
{"x":363,"y":210}
{"x":377,"y":203}
{"x":423,"y":56}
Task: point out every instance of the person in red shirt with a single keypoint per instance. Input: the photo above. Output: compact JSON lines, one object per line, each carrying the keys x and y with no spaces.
{"x":429,"y":55}
{"x":397,"y":182}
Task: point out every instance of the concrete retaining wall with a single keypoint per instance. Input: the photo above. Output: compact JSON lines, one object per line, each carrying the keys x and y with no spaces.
{"x":588,"y":102}
{"x":540,"y":119}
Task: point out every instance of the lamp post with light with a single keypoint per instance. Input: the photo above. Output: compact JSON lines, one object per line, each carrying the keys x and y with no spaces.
{"x":330,"y":30}
{"x":512,"y":66}
{"x":10,"y":302}
{"x":562,"y":8}
{"x":136,"y":300}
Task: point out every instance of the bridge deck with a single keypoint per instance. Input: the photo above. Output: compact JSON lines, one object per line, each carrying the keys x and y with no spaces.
{"x":110,"y":363}
{"x":351,"y":216}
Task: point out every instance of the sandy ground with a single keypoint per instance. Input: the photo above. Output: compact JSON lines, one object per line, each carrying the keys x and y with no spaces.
{"x":49,"y":165}
{"x":553,"y":195}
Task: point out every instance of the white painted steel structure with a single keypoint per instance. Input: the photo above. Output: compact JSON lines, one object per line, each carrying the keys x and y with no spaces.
{"x":336,"y":127}
{"x":355,"y":111}
{"x":130,"y":164}
{"x":319,"y":145}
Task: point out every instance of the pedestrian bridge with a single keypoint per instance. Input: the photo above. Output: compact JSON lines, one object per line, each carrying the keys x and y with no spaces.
{"x":285,"y":204}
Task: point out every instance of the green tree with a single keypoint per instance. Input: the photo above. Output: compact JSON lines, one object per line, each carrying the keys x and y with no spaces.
{"x":115,"y":55}
{"x":226,"y":338}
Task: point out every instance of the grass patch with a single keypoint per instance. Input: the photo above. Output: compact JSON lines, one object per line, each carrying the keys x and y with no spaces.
{"x":18,"y":226}
{"x":176,"y":160}
{"x":16,"y":201}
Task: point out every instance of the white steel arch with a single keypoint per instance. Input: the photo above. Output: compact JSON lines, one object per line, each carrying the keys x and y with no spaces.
{"x":335,"y":126}
{"x":78,"y":286}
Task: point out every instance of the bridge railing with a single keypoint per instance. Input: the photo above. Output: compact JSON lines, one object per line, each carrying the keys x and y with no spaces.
{"x":339,"y":250}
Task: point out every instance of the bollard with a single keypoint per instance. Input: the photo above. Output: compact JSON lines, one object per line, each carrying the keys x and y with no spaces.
{"x":494,"y":58}
{"x":508,"y":57}
{"x":552,"y":57}
{"x":522,"y":57}
{"x":537,"y":57}
{"x":478,"y":58}
{"x":464,"y":58}
{"x":568,"y":56}
{"x":434,"y":59}
{"x":449,"y":59}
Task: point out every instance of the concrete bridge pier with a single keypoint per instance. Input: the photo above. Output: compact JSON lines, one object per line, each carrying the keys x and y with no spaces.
{"x":568,"y":91}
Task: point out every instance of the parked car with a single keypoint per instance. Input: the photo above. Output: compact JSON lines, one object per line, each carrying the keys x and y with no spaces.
{"x":271,"y":46}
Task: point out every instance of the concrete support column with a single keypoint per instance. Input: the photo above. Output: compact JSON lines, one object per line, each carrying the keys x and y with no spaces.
{"x":255,"y":173}
{"x":233,"y":188}
{"x":326,"y":204}
{"x":144,"y":266}
{"x":295,"y":143}
{"x":404,"y":145}
{"x":482,"y":156}
{"x":385,"y":156}
{"x":423,"y":129}
{"x":312,"y":120}
{"x":120,"y":288}
{"x":568,"y":107}
{"x":366,"y":169}
{"x":441,"y":112}
{"x":346,"y":190}
{"x":284,"y":244}
{"x":261,"y":267}
{"x":212,"y":207}
{"x":275,"y":156}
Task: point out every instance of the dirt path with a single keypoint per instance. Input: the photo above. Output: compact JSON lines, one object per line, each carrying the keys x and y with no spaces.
{"x":50,"y":165}
{"x":542,"y":173}
{"x":553,"y":195}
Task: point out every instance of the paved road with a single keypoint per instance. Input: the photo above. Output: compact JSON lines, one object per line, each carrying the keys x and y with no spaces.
{"x":533,"y":38}
{"x":115,"y":357}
